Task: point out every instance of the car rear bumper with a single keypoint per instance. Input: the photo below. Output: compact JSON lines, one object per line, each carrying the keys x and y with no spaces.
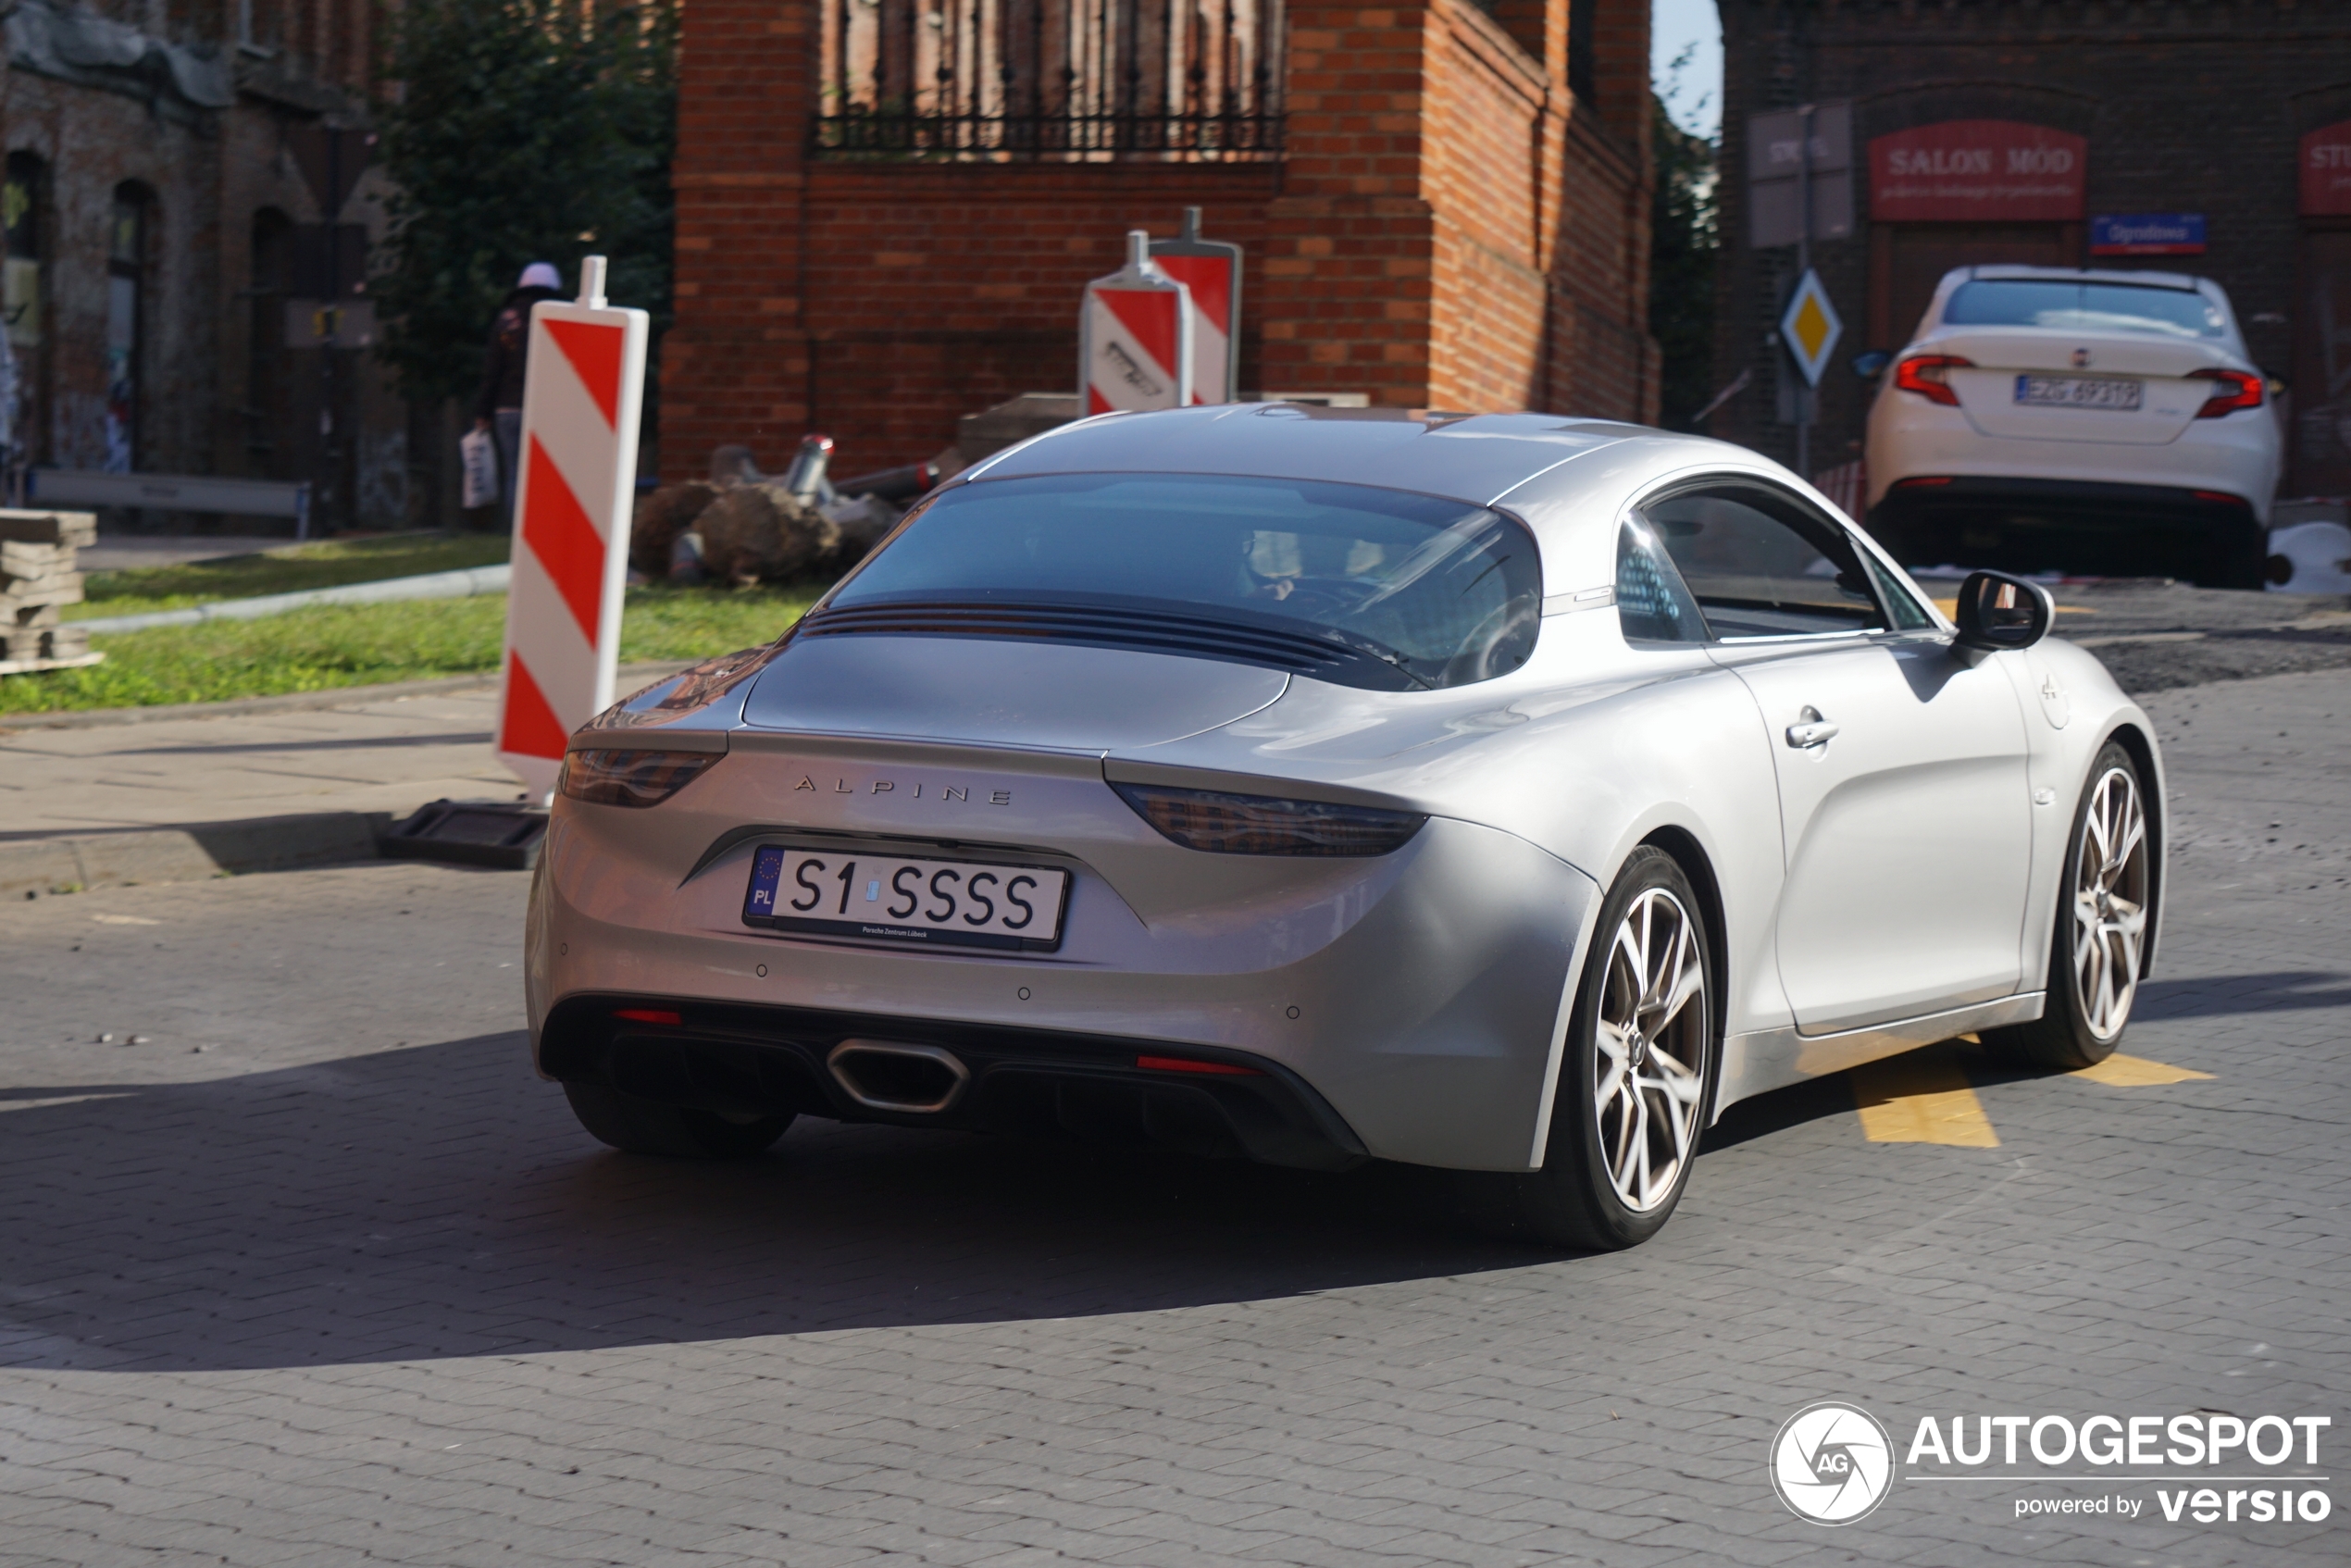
{"x":2238,"y":455}
{"x":744,"y":1060}
{"x":2113,"y":528}
{"x":1421,"y":1016}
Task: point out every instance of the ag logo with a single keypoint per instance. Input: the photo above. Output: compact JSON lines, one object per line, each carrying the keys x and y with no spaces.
{"x":1832,"y":1463}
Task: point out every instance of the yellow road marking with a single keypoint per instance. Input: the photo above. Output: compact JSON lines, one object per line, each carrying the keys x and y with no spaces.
{"x":1922,"y":1097}
{"x":2136,"y":1072}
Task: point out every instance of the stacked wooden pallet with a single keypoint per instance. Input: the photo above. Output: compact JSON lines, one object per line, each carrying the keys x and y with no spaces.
{"x":37,"y":575}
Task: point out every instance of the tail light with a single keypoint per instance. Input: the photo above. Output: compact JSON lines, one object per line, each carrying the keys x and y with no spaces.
{"x":611,"y":776}
{"x":1925,"y":375}
{"x":1221,"y":824}
{"x":2236,"y":389}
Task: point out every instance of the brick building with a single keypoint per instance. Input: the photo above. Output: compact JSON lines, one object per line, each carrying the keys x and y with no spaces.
{"x":887,"y":208}
{"x":187,"y":205}
{"x":2229,"y":113}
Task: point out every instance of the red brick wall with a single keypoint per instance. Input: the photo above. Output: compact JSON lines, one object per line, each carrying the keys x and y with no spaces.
{"x":1440,"y":185}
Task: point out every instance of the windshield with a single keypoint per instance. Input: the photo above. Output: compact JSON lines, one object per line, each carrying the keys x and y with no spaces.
{"x":1439,"y":591}
{"x":2084,"y":307}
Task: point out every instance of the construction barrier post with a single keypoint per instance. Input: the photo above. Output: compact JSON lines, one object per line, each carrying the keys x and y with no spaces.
{"x":1134,"y":336}
{"x":1211,"y":271}
{"x":575,"y":484}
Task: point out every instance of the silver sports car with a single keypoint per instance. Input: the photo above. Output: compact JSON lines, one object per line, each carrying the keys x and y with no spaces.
{"x":1504,"y":795}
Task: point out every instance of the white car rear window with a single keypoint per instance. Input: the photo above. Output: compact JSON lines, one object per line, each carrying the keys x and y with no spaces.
{"x":2084,"y":307}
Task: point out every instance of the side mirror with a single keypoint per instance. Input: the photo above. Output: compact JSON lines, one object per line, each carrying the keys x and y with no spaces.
{"x":1871,"y":365}
{"x":1999,"y":611}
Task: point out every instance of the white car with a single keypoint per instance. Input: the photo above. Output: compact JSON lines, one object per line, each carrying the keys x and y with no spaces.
{"x":1503,"y":795}
{"x":2043,"y":419}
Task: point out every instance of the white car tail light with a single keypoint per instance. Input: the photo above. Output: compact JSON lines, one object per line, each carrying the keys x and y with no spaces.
{"x":2236,"y":389}
{"x":1926,"y":374}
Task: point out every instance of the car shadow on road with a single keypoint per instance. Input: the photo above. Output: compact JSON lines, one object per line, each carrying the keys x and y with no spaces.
{"x":2284,"y":991}
{"x":441,"y":1201}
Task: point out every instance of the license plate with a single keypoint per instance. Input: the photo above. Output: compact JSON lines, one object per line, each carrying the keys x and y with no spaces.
{"x":923,"y":903}
{"x":2078,"y":391}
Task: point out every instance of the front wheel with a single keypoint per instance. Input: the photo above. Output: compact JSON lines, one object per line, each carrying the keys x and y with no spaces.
{"x":2098,"y":948}
{"x":647,"y":1126}
{"x":1635,"y":1080}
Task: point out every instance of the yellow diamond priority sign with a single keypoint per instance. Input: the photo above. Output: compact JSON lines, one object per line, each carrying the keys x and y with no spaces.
{"x":1810,"y":328}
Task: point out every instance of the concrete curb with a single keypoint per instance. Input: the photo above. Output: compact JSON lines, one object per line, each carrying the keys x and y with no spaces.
{"x":463,"y":583}
{"x":71,"y":863}
{"x":631,"y":677}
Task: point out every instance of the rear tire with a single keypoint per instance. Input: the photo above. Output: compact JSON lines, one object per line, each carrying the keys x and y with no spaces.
{"x":2105,"y":907}
{"x":648,"y":1126}
{"x":1636,"y":1078}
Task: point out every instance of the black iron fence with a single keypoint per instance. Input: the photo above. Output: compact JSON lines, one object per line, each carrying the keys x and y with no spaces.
{"x":1068,"y":80}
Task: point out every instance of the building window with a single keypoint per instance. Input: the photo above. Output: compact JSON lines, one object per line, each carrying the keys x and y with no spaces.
{"x":267,"y":410}
{"x":24,"y":201}
{"x":128,"y":242}
{"x":1580,"y":31}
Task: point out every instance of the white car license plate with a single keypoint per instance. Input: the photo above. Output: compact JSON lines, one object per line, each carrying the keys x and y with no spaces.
{"x":2078,"y":391}
{"x":927,"y":903}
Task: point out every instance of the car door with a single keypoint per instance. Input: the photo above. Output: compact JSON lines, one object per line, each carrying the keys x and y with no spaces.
{"x":1905,"y":807}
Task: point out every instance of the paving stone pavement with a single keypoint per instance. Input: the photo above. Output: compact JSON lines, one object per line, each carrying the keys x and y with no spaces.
{"x":321,"y":1273}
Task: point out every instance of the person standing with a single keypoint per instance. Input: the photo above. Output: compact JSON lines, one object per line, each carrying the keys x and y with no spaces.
{"x":498,"y":409}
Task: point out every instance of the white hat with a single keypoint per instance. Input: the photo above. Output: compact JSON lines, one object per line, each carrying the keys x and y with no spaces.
{"x":540,"y":275}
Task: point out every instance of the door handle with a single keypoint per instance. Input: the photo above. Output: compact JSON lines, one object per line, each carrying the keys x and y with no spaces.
{"x":1810,"y":731}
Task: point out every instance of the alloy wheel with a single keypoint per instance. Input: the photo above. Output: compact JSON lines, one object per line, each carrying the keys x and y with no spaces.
{"x":1650,"y":1069}
{"x":2110,"y":902}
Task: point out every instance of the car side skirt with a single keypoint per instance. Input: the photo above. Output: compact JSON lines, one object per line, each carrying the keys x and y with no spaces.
{"x":1768,"y":1059}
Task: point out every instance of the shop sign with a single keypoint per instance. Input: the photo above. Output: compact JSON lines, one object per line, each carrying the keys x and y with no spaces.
{"x":2326,"y":171}
{"x":2147,"y":233}
{"x":1977,"y":171}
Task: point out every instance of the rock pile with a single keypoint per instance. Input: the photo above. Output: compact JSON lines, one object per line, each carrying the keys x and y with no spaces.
{"x":38,"y":577}
{"x":743,"y":526}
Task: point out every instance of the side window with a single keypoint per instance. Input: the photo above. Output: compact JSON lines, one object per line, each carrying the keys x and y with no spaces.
{"x":1902,"y":607}
{"x":1760,"y":564}
{"x":1652,"y":602}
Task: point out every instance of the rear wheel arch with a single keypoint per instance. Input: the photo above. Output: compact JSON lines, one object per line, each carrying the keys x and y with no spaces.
{"x":2141,"y":747}
{"x":1691,"y":857}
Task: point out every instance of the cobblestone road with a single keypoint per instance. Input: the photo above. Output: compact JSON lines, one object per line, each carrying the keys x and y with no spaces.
{"x":320,"y":1274}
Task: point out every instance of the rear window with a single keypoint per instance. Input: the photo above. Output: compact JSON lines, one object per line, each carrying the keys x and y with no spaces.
{"x":2084,"y":307}
{"x":1442,"y":591}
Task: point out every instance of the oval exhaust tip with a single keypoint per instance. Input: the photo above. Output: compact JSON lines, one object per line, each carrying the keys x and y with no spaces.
{"x":884,"y":1075}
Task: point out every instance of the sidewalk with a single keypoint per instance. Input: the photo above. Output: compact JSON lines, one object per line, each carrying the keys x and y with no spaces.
{"x":269,"y":784}
{"x":361,"y":755}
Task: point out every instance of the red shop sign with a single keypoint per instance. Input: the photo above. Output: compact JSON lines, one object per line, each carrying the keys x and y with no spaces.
{"x":1977,"y":171}
{"x":2326,"y":171}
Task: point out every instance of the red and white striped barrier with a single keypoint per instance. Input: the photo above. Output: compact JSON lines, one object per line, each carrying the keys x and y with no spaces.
{"x":1848,"y":484}
{"x":1134,"y":336}
{"x":1210,"y":269}
{"x":576,"y":481}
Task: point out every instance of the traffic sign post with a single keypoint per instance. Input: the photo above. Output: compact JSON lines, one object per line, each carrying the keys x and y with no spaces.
{"x":1809,"y":329}
{"x":1134,"y":336}
{"x":1210,"y":269}
{"x":577,"y":462}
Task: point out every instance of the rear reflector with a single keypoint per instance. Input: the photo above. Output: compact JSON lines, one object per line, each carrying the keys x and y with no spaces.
{"x":647,"y":1016}
{"x":1188,"y":1065}
{"x":1919,"y":483}
{"x":2221,"y":496}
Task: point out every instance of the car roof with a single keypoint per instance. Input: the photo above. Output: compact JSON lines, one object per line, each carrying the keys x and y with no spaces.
{"x":1477,"y":459}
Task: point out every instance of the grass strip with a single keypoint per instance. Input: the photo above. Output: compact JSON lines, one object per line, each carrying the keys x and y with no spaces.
{"x":328,"y":563}
{"x":329,"y":647}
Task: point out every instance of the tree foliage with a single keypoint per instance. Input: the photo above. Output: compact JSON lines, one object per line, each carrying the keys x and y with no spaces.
{"x":1682,"y":245}
{"x":522,"y":131}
